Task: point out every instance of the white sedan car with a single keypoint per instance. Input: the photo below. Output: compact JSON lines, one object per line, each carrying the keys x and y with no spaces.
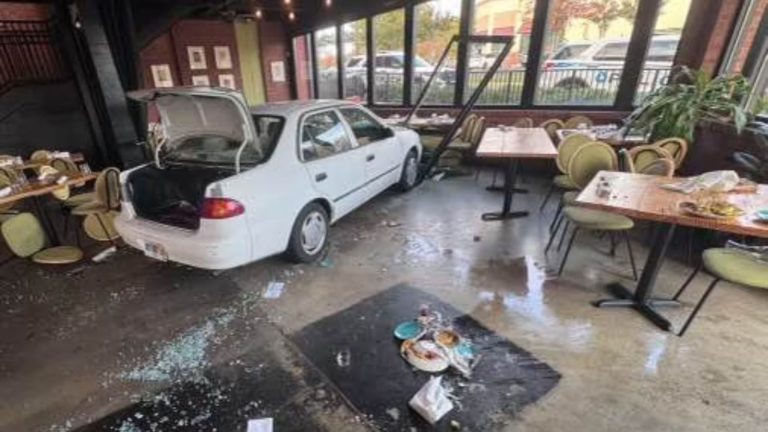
{"x":230,"y":185}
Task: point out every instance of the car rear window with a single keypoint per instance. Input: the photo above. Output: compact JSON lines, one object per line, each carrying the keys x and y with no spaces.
{"x":218,"y":150}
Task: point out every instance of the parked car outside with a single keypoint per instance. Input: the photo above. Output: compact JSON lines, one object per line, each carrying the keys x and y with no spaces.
{"x":232,"y":185}
{"x":600,"y":65}
{"x":391,"y":64}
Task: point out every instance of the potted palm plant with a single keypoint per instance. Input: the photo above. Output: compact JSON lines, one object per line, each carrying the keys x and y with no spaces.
{"x":690,"y":97}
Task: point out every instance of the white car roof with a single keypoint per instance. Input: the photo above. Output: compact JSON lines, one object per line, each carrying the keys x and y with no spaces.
{"x":296,"y":107}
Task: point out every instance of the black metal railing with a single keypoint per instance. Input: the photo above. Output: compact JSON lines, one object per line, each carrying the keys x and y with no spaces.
{"x":28,"y":54}
{"x":582,"y":86}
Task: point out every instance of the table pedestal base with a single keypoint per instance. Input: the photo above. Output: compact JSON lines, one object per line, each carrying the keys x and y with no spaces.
{"x":645,"y":308}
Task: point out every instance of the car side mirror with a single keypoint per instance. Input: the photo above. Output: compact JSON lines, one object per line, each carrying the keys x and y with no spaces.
{"x":387,"y":132}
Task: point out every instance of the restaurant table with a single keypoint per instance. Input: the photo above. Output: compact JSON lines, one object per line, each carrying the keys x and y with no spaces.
{"x":641,"y":197}
{"x":512,"y":145}
{"x":614,"y":140}
{"x":35,"y":190}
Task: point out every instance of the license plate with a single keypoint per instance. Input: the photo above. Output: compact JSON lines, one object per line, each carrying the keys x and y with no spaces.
{"x":154,"y":250}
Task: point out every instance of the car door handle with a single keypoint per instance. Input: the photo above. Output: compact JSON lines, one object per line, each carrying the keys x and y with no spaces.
{"x":320,"y":177}
{"x":370,"y":157}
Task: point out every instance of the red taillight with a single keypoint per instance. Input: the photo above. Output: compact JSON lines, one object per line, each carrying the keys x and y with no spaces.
{"x":548,"y":65}
{"x":220,"y":208}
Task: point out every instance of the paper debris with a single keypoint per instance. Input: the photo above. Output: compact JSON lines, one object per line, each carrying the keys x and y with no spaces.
{"x":261,"y":425}
{"x":104,"y":255}
{"x":274,"y":290}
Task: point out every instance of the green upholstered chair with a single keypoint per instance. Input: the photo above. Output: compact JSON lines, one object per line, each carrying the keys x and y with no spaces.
{"x":588,"y":160}
{"x":552,"y":126}
{"x":67,"y":166}
{"x":565,"y":150}
{"x":645,"y":154}
{"x":430,"y":142}
{"x":660,"y":167}
{"x":523,"y":122}
{"x":107,"y":198}
{"x":729,"y":265}
{"x":576,"y":121}
{"x":26,"y":239}
{"x":676,"y":147}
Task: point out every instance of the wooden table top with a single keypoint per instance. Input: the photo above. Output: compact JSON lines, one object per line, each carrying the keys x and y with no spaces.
{"x":639,"y":196}
{"x":519,"y":143}
{"x":37,"y":189}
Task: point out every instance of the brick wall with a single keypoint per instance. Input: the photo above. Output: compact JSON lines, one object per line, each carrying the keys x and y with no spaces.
{"x":302,"y":68}
{"x":24,"y":12}
{"x":206,"y":34}
{"x":159,"y":51}
{"x":749,"y":36}
{"x":274,"y":48}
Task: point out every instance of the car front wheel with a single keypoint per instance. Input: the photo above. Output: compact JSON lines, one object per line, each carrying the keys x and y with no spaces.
{"x":410,"y":174}
{"x":309,"y":236}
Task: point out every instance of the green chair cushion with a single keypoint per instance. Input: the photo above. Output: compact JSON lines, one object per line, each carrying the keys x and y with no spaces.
{"x":737,"y":267}
{"x":80,"y":199}
{"x":460,"y":145}
{"x":431,"y":141}
{"x":89,"y":208}
{"x":564,"y":182}
{"x":58,"y":255}
{"x":23,"y":235}
{"x":569,"y":198}
{"x":597,"y":220}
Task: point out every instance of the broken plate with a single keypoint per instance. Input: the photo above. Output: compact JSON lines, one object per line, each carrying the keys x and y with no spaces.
{"x":424,"y":355}
{"x":408,"y":330}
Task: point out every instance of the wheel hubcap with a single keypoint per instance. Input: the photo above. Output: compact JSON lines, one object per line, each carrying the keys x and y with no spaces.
{"x":411,"y":171}
{"x":313,"y":232}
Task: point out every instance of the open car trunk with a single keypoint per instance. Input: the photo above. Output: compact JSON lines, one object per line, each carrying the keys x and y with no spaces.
{"x":174,"y":195}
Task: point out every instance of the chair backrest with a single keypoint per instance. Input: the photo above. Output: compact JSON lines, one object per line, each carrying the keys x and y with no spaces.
{"x":107,"y":187}
{"x":62,"y":193}
{"x":64,"y":165}
{"x":552,"y":126}
{"x":478,"y":130}
{"x":576,"y":121}
{"x":466,"y":128}
{"x":660,"y":167}
{"x":40,"y":156}
{"x":7,"y":178}
{"x":590,"y":159}
{"x":625,"y":161}
{"x":676,"y":147}
{"x":567,"y":148}
{"x":645,"y":154}
{"x":23,"y":235}
{"x":523,"y":122}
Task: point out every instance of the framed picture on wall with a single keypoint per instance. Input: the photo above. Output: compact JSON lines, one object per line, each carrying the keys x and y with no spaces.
{"x":223,"y":57}
{"x":201,"y":80}
{"x":196,"y":57}
{"x":161,"y":76}
{"x":227,"y":81}
{"x":277,"y":69}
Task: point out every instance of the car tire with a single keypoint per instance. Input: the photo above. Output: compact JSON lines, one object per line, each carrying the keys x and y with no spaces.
{"x":309,"y":236}
{"x":410,"y":174}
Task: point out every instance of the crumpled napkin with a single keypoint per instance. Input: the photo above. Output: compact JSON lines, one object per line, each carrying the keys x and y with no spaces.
{"x":714,"y":181}
{"x":431,"y":401}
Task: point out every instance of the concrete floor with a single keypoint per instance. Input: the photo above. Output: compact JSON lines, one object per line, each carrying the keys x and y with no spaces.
{"x":78,"y":348}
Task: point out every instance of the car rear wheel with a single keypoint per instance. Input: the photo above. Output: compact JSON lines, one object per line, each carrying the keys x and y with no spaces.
{"x":410,"y":174}
{"x":309,"y":236}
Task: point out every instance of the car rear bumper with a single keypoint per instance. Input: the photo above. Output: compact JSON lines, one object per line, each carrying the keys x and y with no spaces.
{"x":219,"y":250}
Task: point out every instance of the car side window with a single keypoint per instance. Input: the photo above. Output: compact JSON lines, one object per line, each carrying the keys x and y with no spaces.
{"x":323,"y":135}
{"x":612,"y":51}
{"x":365,"y":128}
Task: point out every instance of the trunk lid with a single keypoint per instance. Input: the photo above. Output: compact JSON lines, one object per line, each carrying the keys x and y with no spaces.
{"x":203,"y":126}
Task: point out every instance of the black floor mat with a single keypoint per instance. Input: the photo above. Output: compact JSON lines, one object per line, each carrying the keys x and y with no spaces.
{"x":380,"y":384}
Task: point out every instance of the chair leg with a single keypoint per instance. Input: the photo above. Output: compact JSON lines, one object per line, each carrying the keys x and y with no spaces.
{"x":631,"y":255}
{"x":687,"y":282}
{"x":66,"y":225}
{"x":698,"y":306}
{"x":562,"y":238}
{"x":552,"y":235}
{"x":557,"y":215}
{"x":106,"y":231}
{"x":547,"y":197}
{"x":568,"y":251}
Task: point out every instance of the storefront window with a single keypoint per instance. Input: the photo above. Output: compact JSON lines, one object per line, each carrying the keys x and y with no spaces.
{"x":354,"y":40}
{"x":437,"y":22}
{"x":389,"y":57}
{"x":326,"y":54}
{"x":584,"y":49}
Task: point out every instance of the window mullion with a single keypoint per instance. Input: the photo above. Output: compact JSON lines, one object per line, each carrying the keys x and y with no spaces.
{"x":538,"y":31}
{"x":645,"y":22}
